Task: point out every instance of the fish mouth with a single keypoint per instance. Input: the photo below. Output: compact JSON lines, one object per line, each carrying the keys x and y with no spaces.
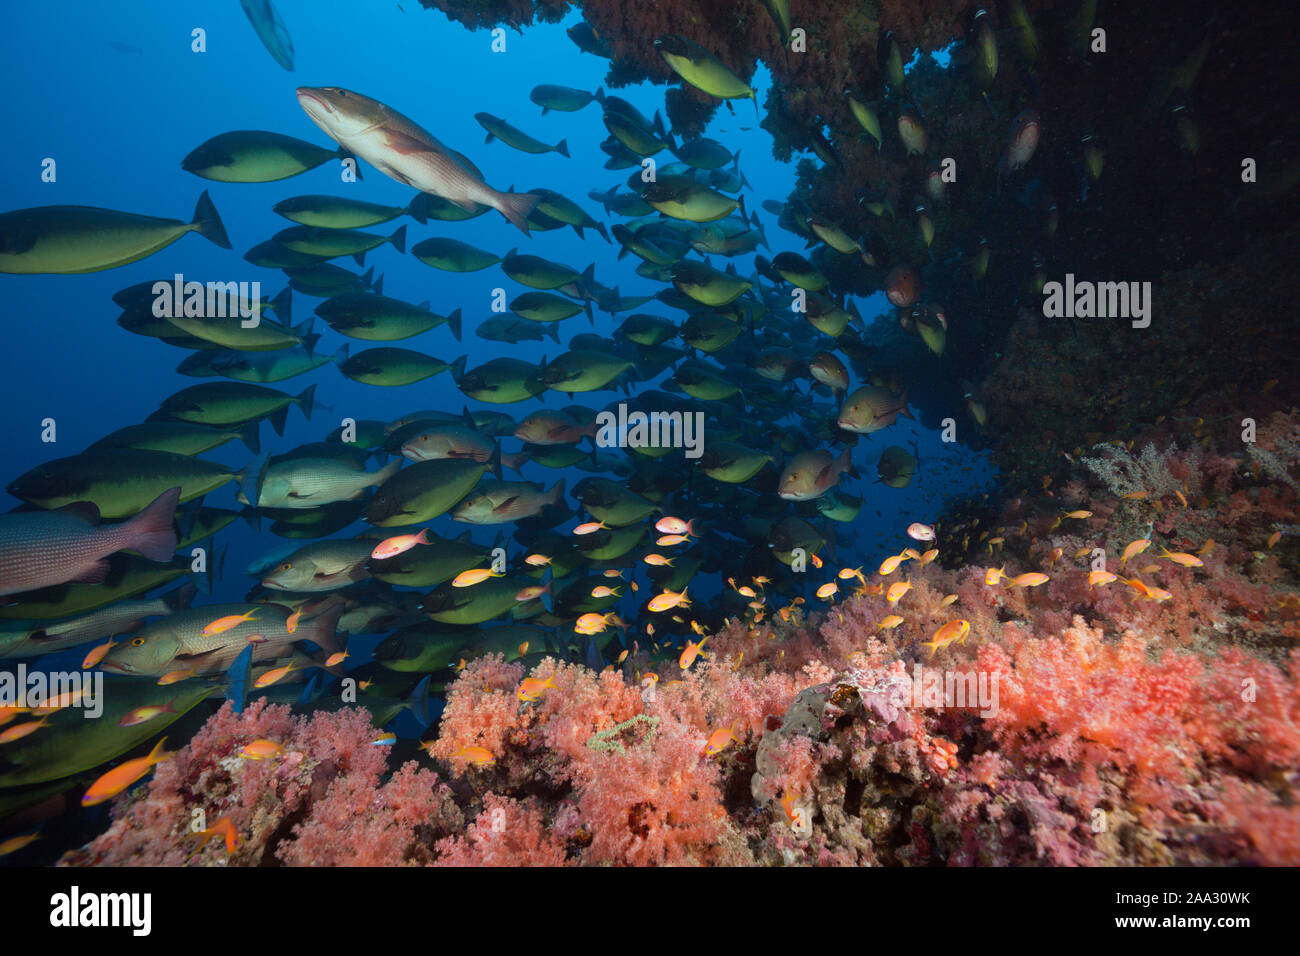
{"x":309,"y":98}
{"x":116,"y":667}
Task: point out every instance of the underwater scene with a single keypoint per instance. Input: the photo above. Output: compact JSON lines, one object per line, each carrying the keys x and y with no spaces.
{"x":612,"y":433}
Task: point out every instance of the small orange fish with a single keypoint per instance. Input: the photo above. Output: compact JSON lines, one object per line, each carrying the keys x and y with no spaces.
{"x":274,"y":676}
{"x":476,"y":756}
{"x":670,"y":540}
{"x":16,"y":843}
{"x":399,"y":544}
{"x":657,"y":560}
{"x":670,"y":525}
{"x":920,"y":532}
{"x":291,"y":624}
{"x":338,"y":657}
{"x":1101,"y":577}
{"x":533,"y":591}
{"x":537,"y":560}
{"x":592,"y":623}
{"x":890,"y":621}
{"x":827,"y":591}
{"x":261,"y":749}
{"x":816,"y":561}
{"x":719,"y":741}
{"x":890,"y":565}
{"x":1030,"y":579}
{"x":897,"y":590}
{"x":1133,"y":549}
{"x":1136,"y":495}
{"x":175,"y":677}
{"x":227,"y":623}
{"x":846,"y":573}
{"x":994,"y":575}
{"x":602,"y":591}
{"x":97,"y":655}
{"x":690,"y":653}
{"x":142,"y":714}
{"x":533,"y":688}
{"x":222,"y":828}
{"x":1078,"y":514}
{"x":590,"y":527}
{"x":474,"y":576}
{"x":19,"y":731}
{"x":929,"y":556}
{"x":948,"y":599}
{"x":1273,"y":539}
{"x":123,"y":776}
{"x":668,"y":600}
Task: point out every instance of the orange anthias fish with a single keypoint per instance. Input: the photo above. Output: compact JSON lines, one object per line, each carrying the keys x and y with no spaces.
{"x":1183,"y":558}
{"x":897,"y":590}
{"x":142,"y":714}
{"x":592,"y":623}
{"x":601,"y":591}
{"x":175,"y":677}
{"x":97,"y":655}
{"x":19,"y":731}
{"x":223,"y":828}
{"x":719,"y":741}
{"x":399,"y":544}
{"x":920,"y":532}
{"x":994,"y":575}
{"x":947,"y":634}
{"x":532,"y":688}
{"x":670,"y":525}
{"x":590,"y":527}
{"x":274,"y":676}
{"x":122,"y":776}
{"x":291,"y":624}
{"x":669,"y":600}
{"x":1101,"y":577}
{"x":890,"y":565}
{"x":671,"y":540}
{"x":477,"y":756}
{"x":537,"y":560}
{"x":261,"y":749}
{"x":16,"y":843}
{"x":229,"y":622}
{"x":1134,"y":548}
{"x":1030,"y":579}
{"x":890,"y":621}
{"x":690,"y":653}
{"x":827,"y":590}
{"x":657,"y":560}
{"x":474,"y":576}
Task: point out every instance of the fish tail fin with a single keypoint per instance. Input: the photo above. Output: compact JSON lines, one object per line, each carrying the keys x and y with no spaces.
{"x":517,"y":207}
{"x":306,"y":399}
{"x":282,"y":305}
{"x":152,"y":532}
{"x":320,"y":630}
{"x":416,"y":210}
{"x":562,"y":147}
{"x":454,"y":321}
{"x":207,"y":222}
{"x":556,"y":496}
{"x":586,"y":307}
{"x":553,"y":330}
{"x":599,"y":95}
{"x":341,"y":356}
{"x":494,"y":462}
{"x":390,"y":469}
{"x":158,"y":755}
{"x":398,"y":238}
{"x":378,"y":287}
{"x":249,"y":436}
{"x":458,"y":367}
{"x":180,"y":599}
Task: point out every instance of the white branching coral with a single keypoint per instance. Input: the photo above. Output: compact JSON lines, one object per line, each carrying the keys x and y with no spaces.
{"x":1123,"y":474}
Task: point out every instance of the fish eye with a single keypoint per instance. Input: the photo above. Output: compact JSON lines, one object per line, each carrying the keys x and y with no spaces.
{"x":137,"y":642}
{"x":286,"y":566}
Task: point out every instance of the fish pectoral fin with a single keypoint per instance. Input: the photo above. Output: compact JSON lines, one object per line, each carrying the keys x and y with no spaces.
{"x":505,"y":505}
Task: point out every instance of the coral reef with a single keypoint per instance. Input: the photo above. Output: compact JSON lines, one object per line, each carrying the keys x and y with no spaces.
{"x":1075,"y":720}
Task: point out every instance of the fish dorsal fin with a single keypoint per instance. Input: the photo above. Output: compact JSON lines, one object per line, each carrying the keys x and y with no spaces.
{"x":87,"y":511}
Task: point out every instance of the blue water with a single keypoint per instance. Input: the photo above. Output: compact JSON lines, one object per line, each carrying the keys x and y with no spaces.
{"x":118,"y":101}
